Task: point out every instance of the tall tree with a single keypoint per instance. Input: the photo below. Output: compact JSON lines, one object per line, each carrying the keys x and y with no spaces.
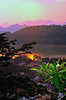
{"x":7,"y":50}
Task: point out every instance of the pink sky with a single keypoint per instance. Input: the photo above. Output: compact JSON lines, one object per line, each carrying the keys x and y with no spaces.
{"x":18,"y":11}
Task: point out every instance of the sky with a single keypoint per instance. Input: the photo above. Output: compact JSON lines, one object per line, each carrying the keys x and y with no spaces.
{"x":17,"y":11}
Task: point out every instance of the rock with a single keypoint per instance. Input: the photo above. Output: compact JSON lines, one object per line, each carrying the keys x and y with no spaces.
{"x":39,"y":95}
{"x":60,"y":96}
{"x":32,"y":98}
{"x":23,"y":98}
{"x":54,"y":97}
{"x":46,"y":97}
{"x":64,"y":98}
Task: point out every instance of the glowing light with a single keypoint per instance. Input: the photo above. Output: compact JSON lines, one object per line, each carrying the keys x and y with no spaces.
{"x":33,"y":56}
{"x":30,"y":56}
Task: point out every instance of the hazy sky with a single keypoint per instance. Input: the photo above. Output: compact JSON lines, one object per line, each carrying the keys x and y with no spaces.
{"x":16,"y":11}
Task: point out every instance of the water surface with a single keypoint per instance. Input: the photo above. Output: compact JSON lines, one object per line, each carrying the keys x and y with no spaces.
{"x":50,"y":50}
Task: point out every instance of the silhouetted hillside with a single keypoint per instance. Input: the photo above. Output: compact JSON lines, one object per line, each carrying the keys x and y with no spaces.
{"x":45,"y":34}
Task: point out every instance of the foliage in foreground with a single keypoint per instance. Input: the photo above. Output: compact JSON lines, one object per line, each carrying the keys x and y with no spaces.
{"x":7,"y":50}
{"x":12,"y":86}
{"x":19,"y":86}
{"x":54,"y":73}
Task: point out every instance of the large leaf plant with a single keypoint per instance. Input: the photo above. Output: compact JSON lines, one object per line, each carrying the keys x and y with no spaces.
{"x":55,"y":73}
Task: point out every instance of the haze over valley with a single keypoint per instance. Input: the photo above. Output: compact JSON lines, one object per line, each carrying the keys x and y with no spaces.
{"x":50,"y":39}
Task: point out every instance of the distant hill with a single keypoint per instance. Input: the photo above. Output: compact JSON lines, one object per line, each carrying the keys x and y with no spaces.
{"x":2,"y":29}
{"x":12,"y":28}
{"x":16,"y":27}
{"x":38,"y":22}
{"x":63,"y":23}
{"x":45,"y":34}
{"x":6,"y":27}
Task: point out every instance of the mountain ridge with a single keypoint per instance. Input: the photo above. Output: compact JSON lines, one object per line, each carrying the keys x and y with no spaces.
{"x":12,"y":28}
{"x":44,"y":34}
{"x":15,"y":27}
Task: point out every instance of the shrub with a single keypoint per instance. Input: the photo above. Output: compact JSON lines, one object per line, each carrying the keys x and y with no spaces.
{"x":55,"y":73}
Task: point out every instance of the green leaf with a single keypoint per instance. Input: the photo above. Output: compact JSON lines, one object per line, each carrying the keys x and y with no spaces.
{"x":52,"y":80}
{"x":44,"y":74}
{"x":36,"y":69}
{"x":56,"y":81}
{"x":47,"y":79}
{"x":58,"y":61}
{"x":52,"y":72}
{"x":43,"y":65}
{"x":60,"y":79}
{"x":48,"y":69}
{"x":61,"y":87}
{"x":55,"y":67}
{"x":47,"y":76}
{"x":63,"y":74}
{"x":47,"y":64}
{"x":62,"y":71}
{"x":51,"y":66}
{"x":62,"y":65}
{"x":38,"y":73}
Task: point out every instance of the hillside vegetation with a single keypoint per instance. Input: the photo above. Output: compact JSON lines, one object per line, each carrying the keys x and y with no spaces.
{"x":45,"y":34}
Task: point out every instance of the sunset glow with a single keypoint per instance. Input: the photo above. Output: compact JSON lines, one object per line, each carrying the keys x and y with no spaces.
{"x":31,"y":56}
{"x":17,"y":11}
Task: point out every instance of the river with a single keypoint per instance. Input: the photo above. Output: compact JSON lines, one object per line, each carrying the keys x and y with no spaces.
{"x":45,"y":50}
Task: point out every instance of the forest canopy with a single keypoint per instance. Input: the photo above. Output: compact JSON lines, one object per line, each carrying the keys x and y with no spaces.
{"x":45,"y":34}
